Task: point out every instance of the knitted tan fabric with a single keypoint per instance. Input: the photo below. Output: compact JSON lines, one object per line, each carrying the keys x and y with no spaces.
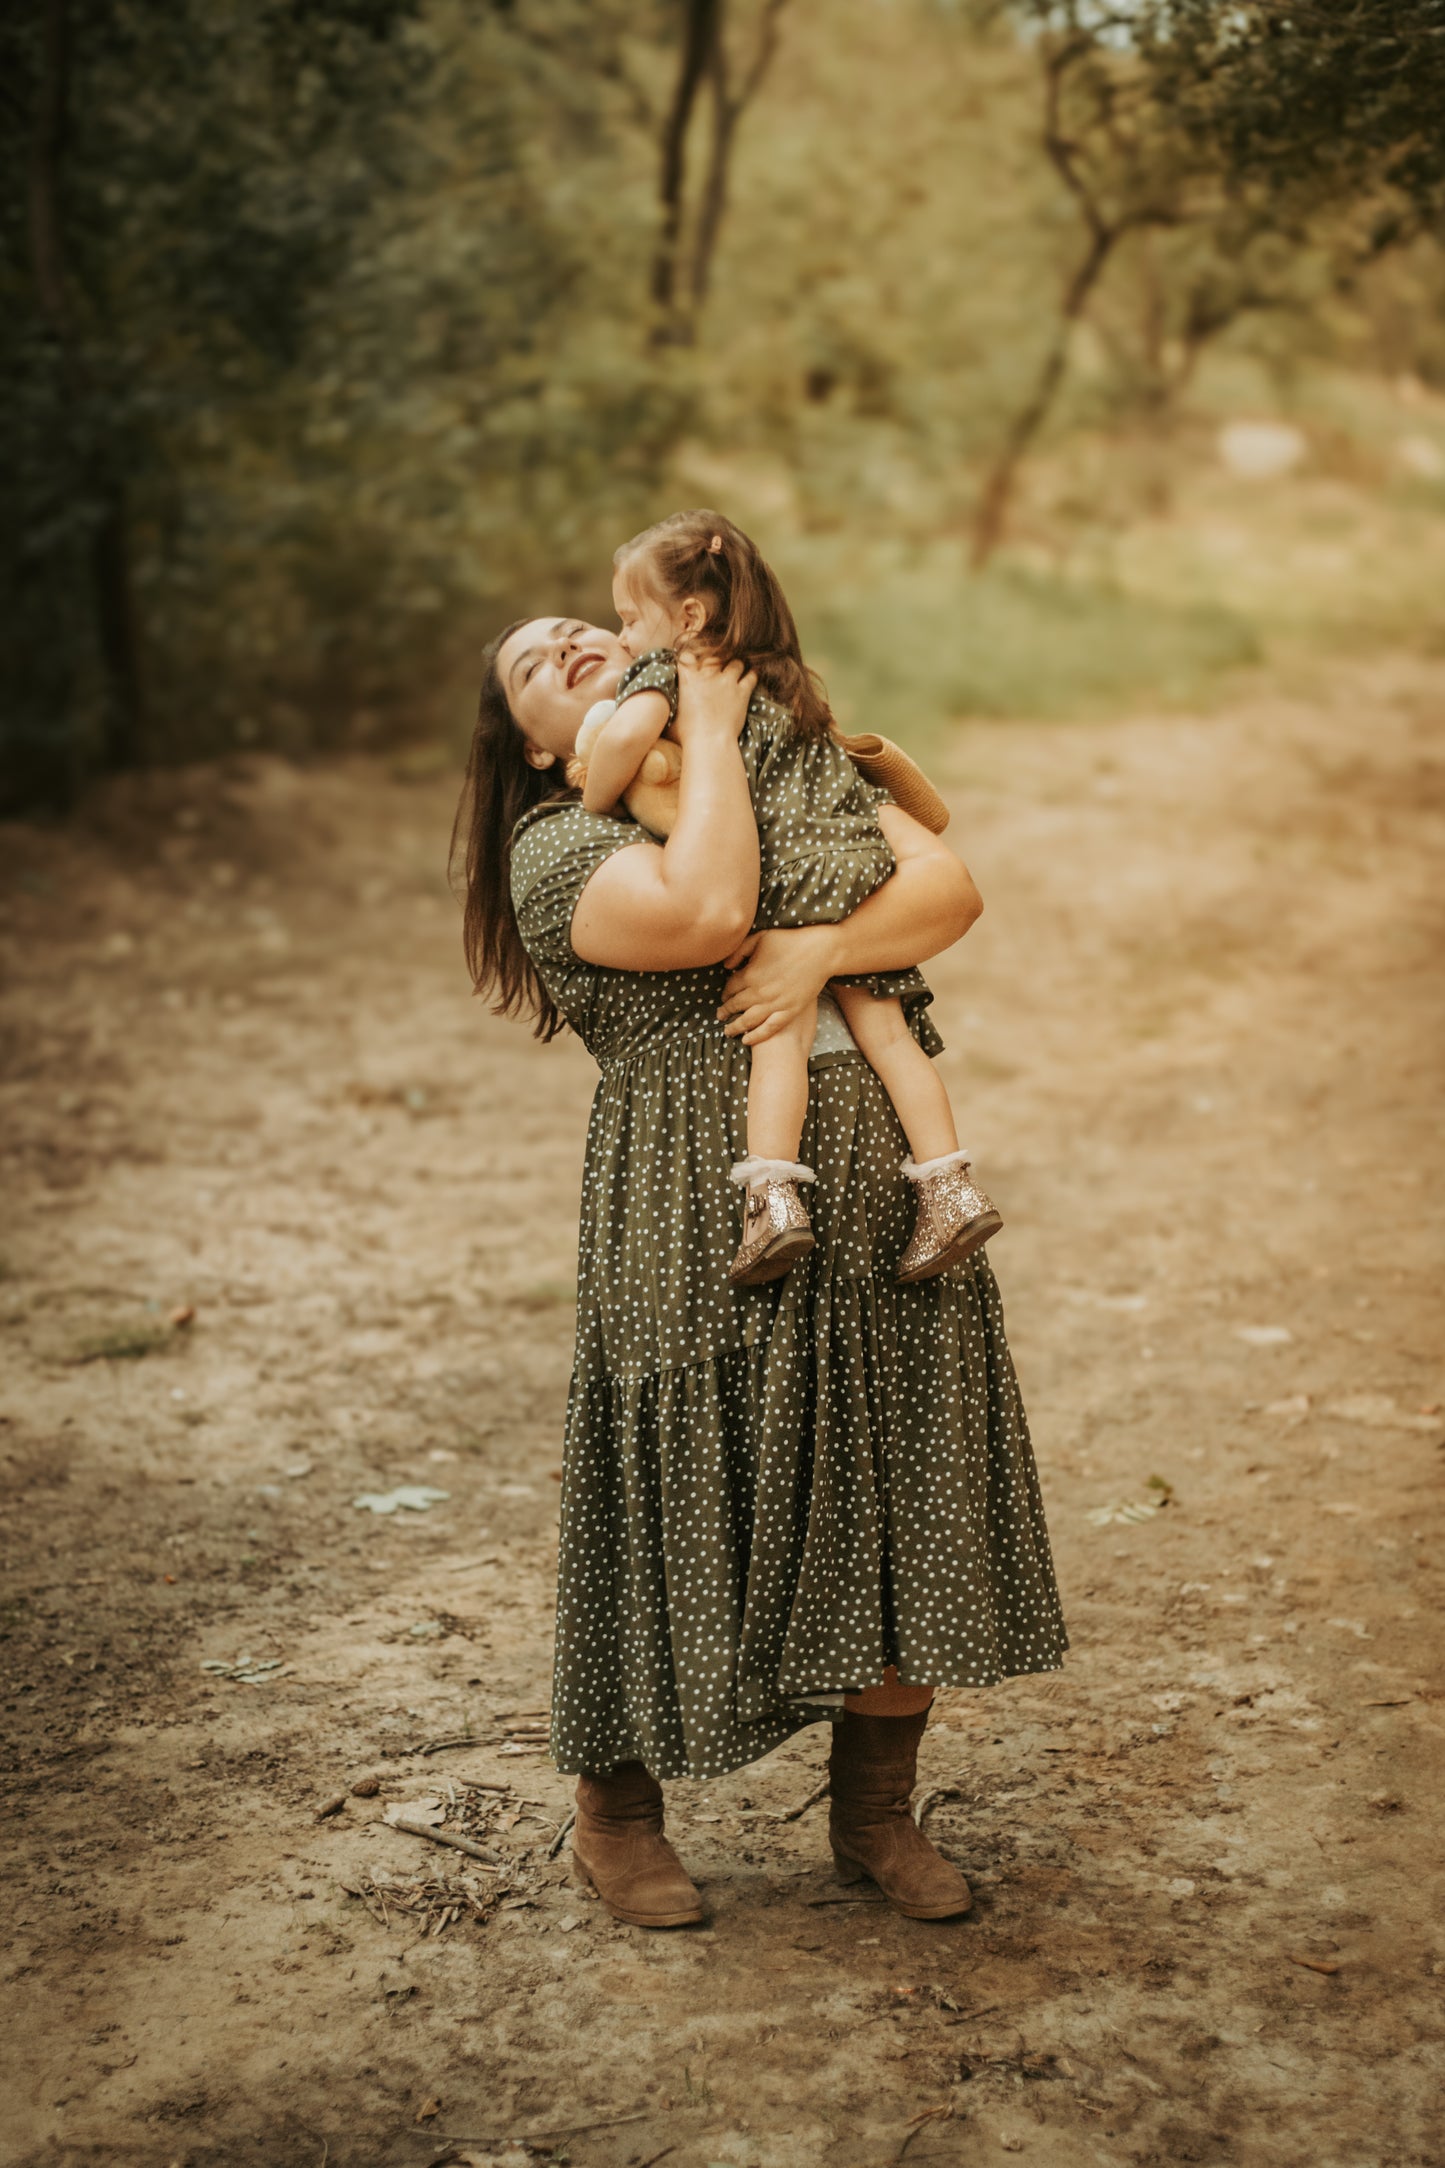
{"x":887,"y":765}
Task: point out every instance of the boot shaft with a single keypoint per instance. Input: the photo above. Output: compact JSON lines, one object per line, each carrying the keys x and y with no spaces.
{"x":622,"y":1798}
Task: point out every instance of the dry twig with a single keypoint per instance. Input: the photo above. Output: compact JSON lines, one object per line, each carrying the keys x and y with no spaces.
{"x":930,"y":1799}
{"x":445,"y":1836}
{"x":557,"y":1843}
{"x":793,"y":1814}
{"x":918,"y":2123}
{"x":549,"y":2130}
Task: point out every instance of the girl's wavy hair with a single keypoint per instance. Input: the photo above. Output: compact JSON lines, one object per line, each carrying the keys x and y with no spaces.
{"x":703,"y":554}
{"x":501,"y":786}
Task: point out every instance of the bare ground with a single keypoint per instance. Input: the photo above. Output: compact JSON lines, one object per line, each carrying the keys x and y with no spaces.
{"x":1195,"y":1040}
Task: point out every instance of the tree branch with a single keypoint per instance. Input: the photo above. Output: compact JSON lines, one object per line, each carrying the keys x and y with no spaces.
{"x":728,"y":107}
{"x":701,"y":28}
{"x":47,"y":245}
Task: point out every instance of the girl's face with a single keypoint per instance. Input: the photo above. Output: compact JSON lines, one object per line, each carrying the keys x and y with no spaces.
{"x":552,"y":670}
{"x":648,"y":622}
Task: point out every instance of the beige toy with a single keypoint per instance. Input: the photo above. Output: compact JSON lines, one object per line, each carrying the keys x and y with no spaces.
{"x":651,"y":796}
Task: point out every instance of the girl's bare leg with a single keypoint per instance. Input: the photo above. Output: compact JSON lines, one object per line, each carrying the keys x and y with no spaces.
{"x":910,"y":1078}
{"x":778,"y":1090}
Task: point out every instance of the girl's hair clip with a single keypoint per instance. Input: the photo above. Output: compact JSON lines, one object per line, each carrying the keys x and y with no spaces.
{"x":714,"y":547}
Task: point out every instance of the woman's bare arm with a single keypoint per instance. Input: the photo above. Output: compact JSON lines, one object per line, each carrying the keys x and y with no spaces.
{"x":690,"y":901}
{"x":923,"y":907}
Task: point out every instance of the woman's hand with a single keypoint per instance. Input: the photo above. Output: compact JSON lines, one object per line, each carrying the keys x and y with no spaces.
{"x":775,"y":975}
{"x":711,"y":700}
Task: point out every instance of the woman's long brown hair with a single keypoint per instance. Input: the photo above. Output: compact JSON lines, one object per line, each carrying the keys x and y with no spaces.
{"x":702,"y":554}
{"x":501,"y":786}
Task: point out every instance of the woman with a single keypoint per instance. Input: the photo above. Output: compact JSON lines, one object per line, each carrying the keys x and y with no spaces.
{"x":777,"y":1498}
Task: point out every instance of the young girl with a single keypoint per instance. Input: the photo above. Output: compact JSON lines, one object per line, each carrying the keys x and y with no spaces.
{"x":696,"y":578}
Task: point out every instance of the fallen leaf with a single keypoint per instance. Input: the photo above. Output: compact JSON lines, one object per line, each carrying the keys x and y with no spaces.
{"x":1378,"y":1411}
{"x":186,"y":1315}
{"x":416,"y":1497}
{"x":427,"y":2110}
{"x":1315,"y":1964}
{"x":1124,"y":1511}
{"x":430,"y":1811}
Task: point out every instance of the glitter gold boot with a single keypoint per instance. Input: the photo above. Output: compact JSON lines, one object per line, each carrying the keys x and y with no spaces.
{"x":776,"y":1228}
{"x":954,"y":1217}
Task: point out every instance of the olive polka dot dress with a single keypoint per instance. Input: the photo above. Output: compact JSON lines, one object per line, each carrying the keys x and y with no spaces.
{"x":768,"y":1493}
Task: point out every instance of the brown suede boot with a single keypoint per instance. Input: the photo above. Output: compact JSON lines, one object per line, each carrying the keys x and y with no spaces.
{"x":871,"y":1772}
{"x":618,"y":1846}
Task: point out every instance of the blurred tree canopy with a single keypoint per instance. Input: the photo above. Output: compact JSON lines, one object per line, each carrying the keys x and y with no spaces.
{"x":338,"y":331}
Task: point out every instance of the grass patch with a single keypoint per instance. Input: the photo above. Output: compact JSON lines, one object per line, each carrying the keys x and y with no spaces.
{"x":543,"y":1295}
{"x":129,"y":1345}
{"x":912,"y":645}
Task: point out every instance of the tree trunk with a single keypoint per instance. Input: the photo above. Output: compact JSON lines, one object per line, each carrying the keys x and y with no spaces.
{"x":998,"y":488}
{"x":702,"y":30}
{"x":725,"y":115}
{"x":112,"y":592}
{"x":728,"y":108}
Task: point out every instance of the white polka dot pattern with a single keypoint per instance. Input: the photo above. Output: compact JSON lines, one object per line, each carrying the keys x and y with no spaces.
{"x":768,"y":1493}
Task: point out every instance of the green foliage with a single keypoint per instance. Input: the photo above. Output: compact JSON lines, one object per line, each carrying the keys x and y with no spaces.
{"x":339,"y":331}
{"x":346,"y":355}
{"x":910,"y":645}
{"x":1344,"y":100}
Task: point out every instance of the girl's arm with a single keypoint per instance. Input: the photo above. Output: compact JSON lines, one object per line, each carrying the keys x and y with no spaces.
{"x":924,"y":907}
{"x":690,"y":901}
{"x":621,"y":746}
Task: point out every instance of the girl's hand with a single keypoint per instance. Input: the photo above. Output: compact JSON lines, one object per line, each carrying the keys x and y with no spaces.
{"x":711,"y":698}
{"x":774,"y":977}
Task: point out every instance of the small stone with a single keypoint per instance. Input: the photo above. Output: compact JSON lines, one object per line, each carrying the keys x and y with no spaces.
{"x":366,"y":1787}
{"x":333,"y":1805}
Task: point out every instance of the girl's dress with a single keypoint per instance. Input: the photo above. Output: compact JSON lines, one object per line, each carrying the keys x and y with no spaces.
{"x":821,"y":847}
{"x":769,"y":1493}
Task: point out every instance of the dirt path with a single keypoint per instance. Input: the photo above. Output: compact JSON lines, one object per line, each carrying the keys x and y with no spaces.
{"x":1196,"y":1038}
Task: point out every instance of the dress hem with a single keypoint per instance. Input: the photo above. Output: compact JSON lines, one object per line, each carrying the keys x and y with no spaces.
{"x":669,"y":1768}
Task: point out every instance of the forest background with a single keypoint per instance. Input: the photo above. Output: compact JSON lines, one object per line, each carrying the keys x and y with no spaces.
{"x":1082,"y":369}
{"x":1060,"y":356}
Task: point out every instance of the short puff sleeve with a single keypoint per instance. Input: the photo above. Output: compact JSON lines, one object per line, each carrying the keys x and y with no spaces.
{"x":655,"y":672}
{"x":556,"y":849}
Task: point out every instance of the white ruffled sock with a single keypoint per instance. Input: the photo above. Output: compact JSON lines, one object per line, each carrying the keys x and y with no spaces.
{"x":915,"y":1173}
{"x":753,"y":1170}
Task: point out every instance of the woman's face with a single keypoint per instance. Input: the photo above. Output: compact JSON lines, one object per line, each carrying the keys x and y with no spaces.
{"x":552,"y":670}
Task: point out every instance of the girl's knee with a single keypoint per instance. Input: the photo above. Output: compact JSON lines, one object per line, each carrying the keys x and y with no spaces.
{"x":873,"y":1023}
